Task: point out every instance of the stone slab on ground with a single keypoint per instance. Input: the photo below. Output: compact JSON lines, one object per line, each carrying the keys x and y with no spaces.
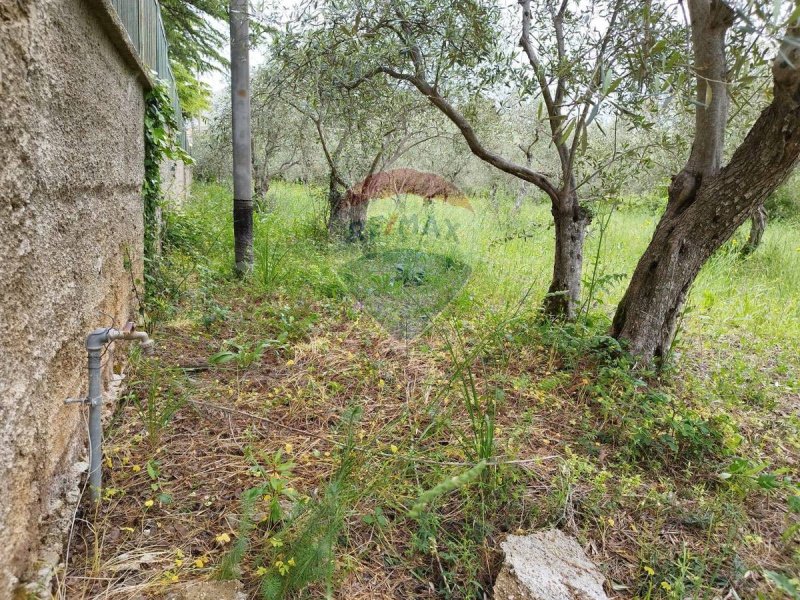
{"x":548,"y":565}
{"x":207,"y":590}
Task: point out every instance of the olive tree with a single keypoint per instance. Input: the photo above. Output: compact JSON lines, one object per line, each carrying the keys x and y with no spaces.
{"x":360,"y":130}
{"x":576,"y":58}
{"x":708,"y":198}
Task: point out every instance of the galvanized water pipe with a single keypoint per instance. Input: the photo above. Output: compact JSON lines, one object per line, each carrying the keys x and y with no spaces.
{"x":96,"y":341}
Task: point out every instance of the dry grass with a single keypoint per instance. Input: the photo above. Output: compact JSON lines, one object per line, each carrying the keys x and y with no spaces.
{"x":629,"y":516}
{"x":563,"y":452}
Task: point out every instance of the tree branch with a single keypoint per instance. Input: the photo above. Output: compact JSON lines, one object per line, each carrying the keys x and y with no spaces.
{"x":555,"y":117}
{"x":474,"y":143}
{"x":711,"y":20}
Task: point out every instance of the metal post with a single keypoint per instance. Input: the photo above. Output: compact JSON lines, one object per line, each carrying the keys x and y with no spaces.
{"x":95,"y":399}
{"x":95,"y":342}
{"x":240,"y":128}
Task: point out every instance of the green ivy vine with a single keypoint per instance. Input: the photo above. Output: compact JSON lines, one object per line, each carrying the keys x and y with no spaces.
{"x":160,"y":143}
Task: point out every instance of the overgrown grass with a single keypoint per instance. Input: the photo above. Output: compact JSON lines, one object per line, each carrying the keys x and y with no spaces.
{"x":509,"y":254}
{"x":486,"y":420}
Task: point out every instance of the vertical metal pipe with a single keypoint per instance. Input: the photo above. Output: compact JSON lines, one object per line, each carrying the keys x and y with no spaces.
{"x":95,"y":342}
{"x":95,"y":398}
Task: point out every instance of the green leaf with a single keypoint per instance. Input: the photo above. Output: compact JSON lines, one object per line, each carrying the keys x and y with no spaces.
{"x":767,"y":481}
{"x":584,"y":140}
{"x":783,"y":583}
{"x":566,"y":132}
{"x":446,"y":486}
{"x":613,"y":86}
{"x":221,"y":357}
{"x":658,"y":46}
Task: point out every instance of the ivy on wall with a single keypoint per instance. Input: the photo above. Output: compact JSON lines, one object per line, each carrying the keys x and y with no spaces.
{"x":160,"y":144}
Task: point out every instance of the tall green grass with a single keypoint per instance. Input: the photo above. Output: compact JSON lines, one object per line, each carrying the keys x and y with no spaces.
{"x":510,"y":254}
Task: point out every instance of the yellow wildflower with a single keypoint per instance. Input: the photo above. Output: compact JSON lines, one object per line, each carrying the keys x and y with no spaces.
{"x":148,"y":503}
{"x":649,"y":570}
{"x":136,"y":468}
{"x":394,"y":449}
{"x":288,"y":447}
{"x":223,"y":538}
{"x":666,"y":586}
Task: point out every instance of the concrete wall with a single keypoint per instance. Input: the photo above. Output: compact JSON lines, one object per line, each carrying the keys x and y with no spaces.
{"x":176,"y":183}
{"x":71,"y":168}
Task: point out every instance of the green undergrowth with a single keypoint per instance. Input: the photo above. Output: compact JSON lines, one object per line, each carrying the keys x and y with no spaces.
{"x":396,"y":406}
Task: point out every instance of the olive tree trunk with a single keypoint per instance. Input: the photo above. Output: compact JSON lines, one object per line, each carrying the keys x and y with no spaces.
{"x":242,"y":149}
{"x":707,"y":203}
{"x":571,"y":221}
{"x":337,"y":215}
{"x":758,"y":225}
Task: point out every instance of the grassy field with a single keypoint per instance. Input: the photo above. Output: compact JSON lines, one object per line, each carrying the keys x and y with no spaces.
{"x":289,"y":423}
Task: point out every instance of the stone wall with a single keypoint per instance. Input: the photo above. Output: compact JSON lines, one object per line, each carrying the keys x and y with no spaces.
{"x":176,"y":183}
{"x":71,"y":169}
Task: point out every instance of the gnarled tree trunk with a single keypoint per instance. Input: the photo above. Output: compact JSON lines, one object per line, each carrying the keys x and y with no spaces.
{"x":571,"y":221}
{"x":758,"y":225}
{"x":706,"y":206}
{"x":338,"y":216}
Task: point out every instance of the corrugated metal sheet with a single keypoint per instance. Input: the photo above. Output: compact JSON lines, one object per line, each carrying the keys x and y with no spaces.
{"x":142,"y":21}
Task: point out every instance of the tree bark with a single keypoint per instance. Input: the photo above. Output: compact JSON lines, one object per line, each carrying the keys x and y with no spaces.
{"x":346,"y":220}
{"x":242,"y":149}
{"x":758,"y":225}
{"x":571,"y":221}
{"x":704,"y":212}
{"x":336,"y":212}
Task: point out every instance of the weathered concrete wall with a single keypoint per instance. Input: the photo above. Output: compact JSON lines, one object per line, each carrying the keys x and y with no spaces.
{"x":176,"y":182}
{"x":71,"y":168}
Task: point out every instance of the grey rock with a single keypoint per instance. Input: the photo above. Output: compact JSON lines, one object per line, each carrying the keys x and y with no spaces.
{"x":547,"y":565}
{"x":207,"y":590}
